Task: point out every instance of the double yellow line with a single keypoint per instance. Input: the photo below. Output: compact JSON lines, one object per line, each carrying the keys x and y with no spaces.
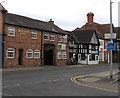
{"x":74,"y":80}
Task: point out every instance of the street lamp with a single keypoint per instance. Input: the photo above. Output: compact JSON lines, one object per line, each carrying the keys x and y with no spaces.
{"x":111,"y":41}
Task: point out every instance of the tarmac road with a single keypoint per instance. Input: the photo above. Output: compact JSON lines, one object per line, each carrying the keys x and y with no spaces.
{"x":52,"y":82}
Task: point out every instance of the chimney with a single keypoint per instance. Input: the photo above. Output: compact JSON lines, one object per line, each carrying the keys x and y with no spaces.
{"x":90,"y":18}
{"x":51,"y":21}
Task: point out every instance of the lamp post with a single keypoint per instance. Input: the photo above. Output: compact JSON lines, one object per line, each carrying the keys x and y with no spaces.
{"x":111,"y":41}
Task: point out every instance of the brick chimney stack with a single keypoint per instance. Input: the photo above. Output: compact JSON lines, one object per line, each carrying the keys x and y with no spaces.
{"x":90,"y":18}
{"x":51,"y":21}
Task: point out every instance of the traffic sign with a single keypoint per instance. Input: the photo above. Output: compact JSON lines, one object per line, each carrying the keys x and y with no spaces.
{"x":111,"y":46}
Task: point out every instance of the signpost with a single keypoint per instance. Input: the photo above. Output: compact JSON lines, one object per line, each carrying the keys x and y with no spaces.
{"x":111,"y":46}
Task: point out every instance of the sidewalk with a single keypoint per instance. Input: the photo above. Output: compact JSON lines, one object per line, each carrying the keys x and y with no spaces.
{"x":100,"y":81}
{"x":39,"y":68}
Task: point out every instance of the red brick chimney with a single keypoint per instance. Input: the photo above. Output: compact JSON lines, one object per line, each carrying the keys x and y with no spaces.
{"x":51,"y":21}
{"x":90,"y":18}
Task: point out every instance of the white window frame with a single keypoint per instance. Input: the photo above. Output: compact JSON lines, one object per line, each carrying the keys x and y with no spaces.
{"x":37,"y":52}
{"x":12,"y":50}
{"x":65,"y":39}
{"x":64,"y":55}
{"x":47,"y":35}
{"x":52,"y":37}
{"x":59,"y":55}
{"x":27,"y":52}
{"x":60,"y":38}
{"x":34,"y":35}
{"x":11,"y":31}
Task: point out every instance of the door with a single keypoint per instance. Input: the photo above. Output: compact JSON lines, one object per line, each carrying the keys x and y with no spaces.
{"x":79,"y":58}
{"x":48,"y":54}
{"x":20,"y":57}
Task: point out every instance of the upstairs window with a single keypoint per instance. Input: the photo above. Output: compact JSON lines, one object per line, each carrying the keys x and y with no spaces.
{"x":34,"y":35}
{"x":46,"y":36}
{"x":65,"y":39}
{"x":29,"y":53}
{"x":52,"y":37}
{"x":11,"y":31}
{"x":60,"y":38}
{"x":10,"y":53}
{"x":37,"y":54}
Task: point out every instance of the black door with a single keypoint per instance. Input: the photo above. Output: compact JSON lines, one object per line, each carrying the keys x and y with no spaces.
{"x":48,"y":55}
{"x":20,"y":57}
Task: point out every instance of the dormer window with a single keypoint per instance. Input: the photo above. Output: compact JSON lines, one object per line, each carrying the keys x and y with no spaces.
{"x":34,"y":35}
{"x":11,"y":31}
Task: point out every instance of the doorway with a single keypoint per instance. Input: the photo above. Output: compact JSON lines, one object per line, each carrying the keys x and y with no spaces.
{"x":49,"y":54}
{"x":20,"y":57}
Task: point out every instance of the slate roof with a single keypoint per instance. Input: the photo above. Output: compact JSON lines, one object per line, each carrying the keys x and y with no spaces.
{"x":83,"y":36}
{"x":2,"y":8}
{"x":117,"y":31}
{"x":23,"y":21}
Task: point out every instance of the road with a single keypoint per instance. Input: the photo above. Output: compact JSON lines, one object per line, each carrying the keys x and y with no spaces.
{"x":51,"y":82}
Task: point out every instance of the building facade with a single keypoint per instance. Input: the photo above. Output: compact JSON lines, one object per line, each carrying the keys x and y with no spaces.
{"x":31,"y":42}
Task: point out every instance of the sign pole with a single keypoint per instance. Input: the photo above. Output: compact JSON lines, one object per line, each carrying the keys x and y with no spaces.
{"x":111,"y":41}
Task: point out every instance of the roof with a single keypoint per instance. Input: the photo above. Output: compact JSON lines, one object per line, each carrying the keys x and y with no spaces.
{"x":83,"y":36}
{"x":99,"y":28}
{"x":2,"y":8}
{"x":23,"y":21}
{"x":117,"y":31}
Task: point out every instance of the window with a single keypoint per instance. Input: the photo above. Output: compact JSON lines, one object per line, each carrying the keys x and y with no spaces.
{"x":82,"y":56}
{"x":46,"y":36}
{"x":29,"y":53}
{"x":34,"y":35}
{"x":11,"y":31}
{"x":64,"y":55}
{"x":10,"y":53}
{"x":37,"y":54}
{"x":62,"y":46}
{"x":60,"y":38}
{"x":93,"y":47}
{"x":52,"y":37}
{"x":92,"y":57}
{"x":59,"y":55}
{"x":65,"y":39}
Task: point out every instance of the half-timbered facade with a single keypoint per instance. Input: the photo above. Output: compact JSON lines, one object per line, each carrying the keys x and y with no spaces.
{"x":87,"y":47}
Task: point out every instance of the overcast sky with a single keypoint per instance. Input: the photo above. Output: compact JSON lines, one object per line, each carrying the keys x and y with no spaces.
{"x":67,"y":14}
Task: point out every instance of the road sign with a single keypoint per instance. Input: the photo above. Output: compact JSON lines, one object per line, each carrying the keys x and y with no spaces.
{"x":110,"y":36}
{"x":111,"y":46}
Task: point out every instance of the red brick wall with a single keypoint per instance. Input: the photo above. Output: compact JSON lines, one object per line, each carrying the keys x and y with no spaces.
{"x":22,"y":40}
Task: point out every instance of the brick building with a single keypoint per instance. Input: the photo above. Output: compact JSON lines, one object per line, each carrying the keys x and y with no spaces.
{"x":31,"y":42}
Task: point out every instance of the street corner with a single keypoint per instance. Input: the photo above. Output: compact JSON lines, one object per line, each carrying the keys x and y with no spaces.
{"x":97,"y":81}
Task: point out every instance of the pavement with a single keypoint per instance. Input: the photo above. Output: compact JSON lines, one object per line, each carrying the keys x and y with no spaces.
{"x":100,"y":81}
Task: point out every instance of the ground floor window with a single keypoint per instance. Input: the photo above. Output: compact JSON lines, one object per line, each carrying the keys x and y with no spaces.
{"x":36,"y":53}
{"x":10,"y":53}
{"x":64,"y":55}
{"x":82,"y":56}
{"x":59,"y":55}
{"x":92,"y":57}
{"x":29,"y":53}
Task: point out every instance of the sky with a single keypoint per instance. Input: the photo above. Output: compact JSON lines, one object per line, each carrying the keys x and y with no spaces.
{"x":67,"y":14}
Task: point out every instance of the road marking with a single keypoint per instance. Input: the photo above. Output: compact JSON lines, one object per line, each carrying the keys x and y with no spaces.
{"x":74,"y":80}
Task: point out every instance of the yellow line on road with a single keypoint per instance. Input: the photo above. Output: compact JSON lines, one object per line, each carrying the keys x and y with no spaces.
{"x":74,"y":80}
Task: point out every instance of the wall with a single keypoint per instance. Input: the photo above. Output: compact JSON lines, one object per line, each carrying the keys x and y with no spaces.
{"x":22,"y":40}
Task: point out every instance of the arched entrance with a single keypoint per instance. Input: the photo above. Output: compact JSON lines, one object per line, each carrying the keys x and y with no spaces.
{"x":49,"y":54}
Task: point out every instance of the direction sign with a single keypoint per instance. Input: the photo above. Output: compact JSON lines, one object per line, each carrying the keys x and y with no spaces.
{"x":111,"y":46}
